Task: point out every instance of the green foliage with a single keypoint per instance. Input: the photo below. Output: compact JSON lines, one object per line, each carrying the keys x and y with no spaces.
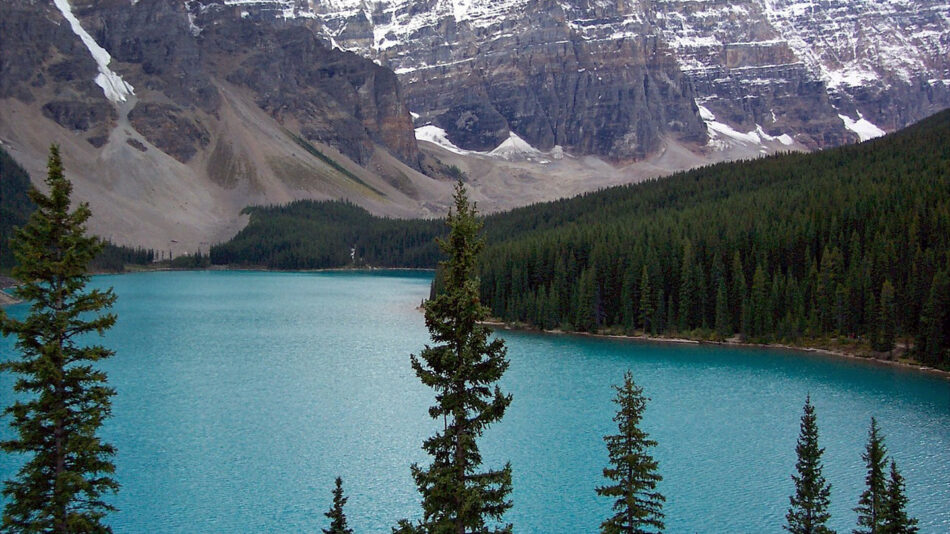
{"x":872,"y":503}
{"x":191,"y":261}
{"x":454,"y":172}
{"x":318,"y":235}
{"x":335,"y":515}
{"x":461,"y":367}
{"x":15,"y":205}
{"x":114,"y":258}
{"x":63,"y":397}
{"x":633,"y":472}
{"x":803,"y":244}
{"x":15,"y":210}
{"x":884,"y":341}
{"x":808,"y":508}
{"x":895,"y":513}
{"x":933,"y":336}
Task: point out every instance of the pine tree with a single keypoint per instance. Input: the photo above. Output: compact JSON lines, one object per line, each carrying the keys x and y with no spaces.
{"x":871,"y":504}
{"x":456,"y":498}
{"x":638,"y":505}
{"x":808,"y":510}
{"x":65,"y":399}
{"x":723,"y":327}
{"x":688,"y":290}
{"x":335,"y":515}
{"x":895,"y":506}
{"x":934,"y":331}
{"x":761,"y":310}
{"x":646,"y":303}
{"x":884,"y":341}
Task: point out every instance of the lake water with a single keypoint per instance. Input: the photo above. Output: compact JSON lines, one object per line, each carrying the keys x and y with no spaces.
{"x":241,"y":395}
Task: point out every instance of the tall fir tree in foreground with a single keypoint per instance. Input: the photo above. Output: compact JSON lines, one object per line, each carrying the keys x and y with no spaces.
{"x":633,"y":472}
{"x":895,"y":507}
{"x":871,"y":504}
{"x":335,"y":515}
{"x":808,"y":510}
{"x":461,"y":367}
{"x":63,"y":398}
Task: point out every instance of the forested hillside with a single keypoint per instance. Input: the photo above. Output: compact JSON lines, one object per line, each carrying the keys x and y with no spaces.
{"x":850,"y":242}
{"x":318,"y":235}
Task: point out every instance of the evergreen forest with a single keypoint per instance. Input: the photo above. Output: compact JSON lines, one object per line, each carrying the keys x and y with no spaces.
{"x":15,"y":205}
{"x":15,"y":210}
{"x":849,"y":245}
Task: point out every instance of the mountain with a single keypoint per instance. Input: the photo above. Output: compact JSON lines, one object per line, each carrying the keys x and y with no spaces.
{"x":168,"y":130}
{"x":172,"y":116}
{"x":785,"y":248}
{"x":567,"y":72}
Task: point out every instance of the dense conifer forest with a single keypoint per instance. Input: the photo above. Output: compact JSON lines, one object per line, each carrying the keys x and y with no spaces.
{"x":848,"y":244}
{"x":320,"y":235}
{"x":845,"y":243}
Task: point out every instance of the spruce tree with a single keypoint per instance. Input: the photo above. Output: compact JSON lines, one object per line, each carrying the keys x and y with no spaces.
{"x":723,"y":327}
{"x":934,"y":332}
{"x":688,"y":290}
{"x":63,"y":397}
{"x":633,"y":472}
{"x":870,"y":507}
{"x":646,"y":303}
{"x":895,"y":506}
{"x":808,"y":510}
{"x":884,"y":341}
{"x":335,"y":515}
{"x":461,"y":368}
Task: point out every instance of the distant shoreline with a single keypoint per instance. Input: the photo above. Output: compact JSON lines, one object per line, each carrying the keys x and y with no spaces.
{"x":255,"y":268}
{"x":524,"y":328}
{"x":910,"y":365}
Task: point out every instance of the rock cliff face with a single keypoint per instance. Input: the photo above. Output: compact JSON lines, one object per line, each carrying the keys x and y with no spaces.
{"x":794,"y":66}
{"x":545,"y":68}
{"x":540,"y":69}
{"x":174,"y":115}
{"x":332,"y":97}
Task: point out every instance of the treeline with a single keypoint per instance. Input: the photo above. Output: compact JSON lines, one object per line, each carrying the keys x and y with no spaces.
{"x":847,"y":244}
{"x":317,"y":235}
{"x":115,"y":258}
{"x":15,"y":205}
{"x":851,"y":243}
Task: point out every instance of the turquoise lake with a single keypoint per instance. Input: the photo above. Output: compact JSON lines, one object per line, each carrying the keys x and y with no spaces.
{"x":242,"y":395}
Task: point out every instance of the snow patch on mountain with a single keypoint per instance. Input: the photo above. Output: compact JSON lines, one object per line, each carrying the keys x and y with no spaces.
{"x":720,"y":133}
{"x":512,"y":149}
{"x":113,"y":86}
{"x":863,"y":127}
{"x":438,"y":136}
